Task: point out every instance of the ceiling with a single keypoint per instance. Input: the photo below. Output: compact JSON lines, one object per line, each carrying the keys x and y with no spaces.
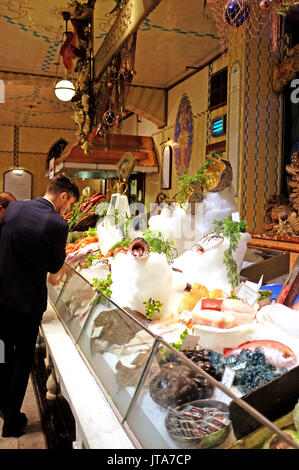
{"x":175,"y":35}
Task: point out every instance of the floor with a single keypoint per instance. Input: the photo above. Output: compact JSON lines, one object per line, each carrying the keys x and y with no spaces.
{"x":51,"y":424}
{"x":34,"y":436}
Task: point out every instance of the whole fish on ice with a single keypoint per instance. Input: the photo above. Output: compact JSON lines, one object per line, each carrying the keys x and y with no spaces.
{"x":278,"y":354}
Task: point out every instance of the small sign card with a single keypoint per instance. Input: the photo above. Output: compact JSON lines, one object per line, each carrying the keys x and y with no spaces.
{"x":190,"y":342}
{"x":247,"y":294}
{"x":227,"y":381}
{"x":235,"y":217}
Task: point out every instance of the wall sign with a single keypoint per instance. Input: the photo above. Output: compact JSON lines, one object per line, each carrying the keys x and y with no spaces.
{"x":167,"y":167}
{"x":19,"y":183}
{"x":183,"y":136}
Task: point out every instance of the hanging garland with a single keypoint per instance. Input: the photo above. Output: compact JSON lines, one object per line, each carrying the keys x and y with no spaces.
{"x":112,"y":88}
{"x":76,"y":53}
{"x":99,"y":103}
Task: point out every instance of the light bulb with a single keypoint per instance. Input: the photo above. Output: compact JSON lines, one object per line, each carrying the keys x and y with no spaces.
{"x":64,"y":90}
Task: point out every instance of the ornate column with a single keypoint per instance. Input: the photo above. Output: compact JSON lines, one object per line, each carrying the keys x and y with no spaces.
{"x":254,"y":143}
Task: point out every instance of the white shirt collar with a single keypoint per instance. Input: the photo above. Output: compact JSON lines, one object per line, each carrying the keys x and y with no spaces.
{"x":44,"y":197}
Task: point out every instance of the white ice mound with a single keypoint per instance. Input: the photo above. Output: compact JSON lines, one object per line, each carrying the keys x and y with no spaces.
{"x":208,"y":268}
{"x":281,"y":316}
{"x":135,"y":281}
{"x":108,"y":233}
{"x":98,"y":270}
{"x":171,"y":224}
{"x":217,"y":206}
{"x":185,"y":228}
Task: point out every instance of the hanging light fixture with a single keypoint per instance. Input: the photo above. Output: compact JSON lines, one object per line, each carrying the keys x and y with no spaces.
{"x":64,"y":89}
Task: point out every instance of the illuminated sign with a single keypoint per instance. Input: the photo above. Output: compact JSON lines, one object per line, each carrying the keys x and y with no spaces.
{"x":218,"y":126}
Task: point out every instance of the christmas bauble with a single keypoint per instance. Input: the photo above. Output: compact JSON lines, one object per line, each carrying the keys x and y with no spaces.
{"x":109,"y":118}
{"x":236,"y":12}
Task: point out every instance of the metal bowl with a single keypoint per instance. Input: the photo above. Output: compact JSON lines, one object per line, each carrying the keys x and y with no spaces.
{"x":209,"y":439}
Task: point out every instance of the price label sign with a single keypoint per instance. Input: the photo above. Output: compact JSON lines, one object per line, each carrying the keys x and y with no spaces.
{"x":235,"y":217}
{"x":190,"y":342}
{"x":247,"y":294}
{"x":227,"y":381}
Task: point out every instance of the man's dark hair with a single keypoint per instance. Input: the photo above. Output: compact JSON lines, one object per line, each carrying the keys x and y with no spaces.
{"x":61,"y":184}
{"x":4,"y":202}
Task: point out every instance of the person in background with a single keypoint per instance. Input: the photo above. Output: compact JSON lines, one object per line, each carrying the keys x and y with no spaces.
{"x":5,"y":199}
{"x":8,"y":196}
{"x":33,"y":237}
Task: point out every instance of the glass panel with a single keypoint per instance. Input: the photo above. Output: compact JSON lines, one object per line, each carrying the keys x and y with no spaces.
{"x":117,"y":349}
{"x":55,"y":282}
{"x":176,"y":409}
{"x":75,"y":302}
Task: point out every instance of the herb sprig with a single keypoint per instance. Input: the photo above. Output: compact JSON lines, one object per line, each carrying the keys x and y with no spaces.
{"x":152,"y":306}
{"x":159,"y":244}
{"x":90,"y":259}
{"x":103,"y":285}
{"x":178,"y":344}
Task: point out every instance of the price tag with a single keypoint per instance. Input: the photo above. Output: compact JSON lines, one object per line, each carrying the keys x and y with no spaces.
{"x":235,"y":217}
{"x":247,"y":294}
{"x":227,"y":381}
{"x":190,"y":342}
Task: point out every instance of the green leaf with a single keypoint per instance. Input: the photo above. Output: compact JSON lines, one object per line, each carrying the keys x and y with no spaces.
{"x":178,"y":344}
{"x":91,"y":232}
{"x":103,"y":285}
{"x":152,"y":306}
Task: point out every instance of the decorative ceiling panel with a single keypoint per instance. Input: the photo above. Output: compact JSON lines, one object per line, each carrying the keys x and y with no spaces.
{"x":175,"y":35}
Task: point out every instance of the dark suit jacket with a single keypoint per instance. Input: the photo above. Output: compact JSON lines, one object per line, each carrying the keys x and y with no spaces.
{"x":32,"y":242}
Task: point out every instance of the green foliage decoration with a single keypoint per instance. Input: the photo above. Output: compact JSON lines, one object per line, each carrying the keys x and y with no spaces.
{"x":159,"y":244}
{"x":232,"y":230}
{"x":103,"y":285}
{"x":201,"y":178}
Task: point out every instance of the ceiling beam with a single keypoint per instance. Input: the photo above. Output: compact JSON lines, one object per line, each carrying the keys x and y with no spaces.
{"x":130,"y":17}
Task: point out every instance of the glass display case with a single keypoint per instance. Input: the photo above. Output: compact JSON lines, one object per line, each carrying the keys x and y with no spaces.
{"x":167,"y":398}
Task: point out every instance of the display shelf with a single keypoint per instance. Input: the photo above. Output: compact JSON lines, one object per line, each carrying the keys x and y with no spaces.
{"x":124,"y":357}
{"x":97,"y":426}
{"x":74,"y":302}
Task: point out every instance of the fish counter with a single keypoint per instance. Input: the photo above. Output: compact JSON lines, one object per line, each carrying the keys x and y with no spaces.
{"x":168,"y":383}
{"x":176,"y":320}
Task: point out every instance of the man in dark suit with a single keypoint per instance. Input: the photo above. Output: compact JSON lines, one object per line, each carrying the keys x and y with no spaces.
{"x":33,"y":236}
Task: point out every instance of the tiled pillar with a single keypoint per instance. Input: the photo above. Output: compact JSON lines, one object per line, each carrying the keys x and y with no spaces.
{"x":259,"y":130}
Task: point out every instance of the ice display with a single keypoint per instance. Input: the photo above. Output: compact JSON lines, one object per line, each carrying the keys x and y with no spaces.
{"x":136,"y":280}
{"x":207,"y":268}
